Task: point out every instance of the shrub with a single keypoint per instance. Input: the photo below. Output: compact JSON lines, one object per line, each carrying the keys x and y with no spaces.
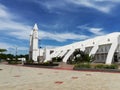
{"x":98,"y":66}
{"x":56,"y":59}
{"x":82,"y":65}
{"x":30,"y":61}
{"x":103,"y":66}
{"x":48,"y":63}
{"x":14,"y":62}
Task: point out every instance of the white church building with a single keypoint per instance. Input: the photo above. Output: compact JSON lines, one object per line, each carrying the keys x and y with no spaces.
{"x":104,"y":49}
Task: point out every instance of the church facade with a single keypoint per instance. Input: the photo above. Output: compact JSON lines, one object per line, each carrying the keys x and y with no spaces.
{"x":104,"y":49}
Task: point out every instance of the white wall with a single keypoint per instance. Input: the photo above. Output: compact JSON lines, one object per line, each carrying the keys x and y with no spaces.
{"x":112,"y":38}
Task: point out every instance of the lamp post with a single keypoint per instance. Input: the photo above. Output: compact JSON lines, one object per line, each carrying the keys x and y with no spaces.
{"x":16,"y":53}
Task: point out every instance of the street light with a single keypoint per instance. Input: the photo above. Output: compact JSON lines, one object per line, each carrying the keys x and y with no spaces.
{"x":16,"y":53}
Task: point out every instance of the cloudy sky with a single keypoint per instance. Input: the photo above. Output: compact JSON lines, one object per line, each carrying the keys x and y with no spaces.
{"x":60,"y":22}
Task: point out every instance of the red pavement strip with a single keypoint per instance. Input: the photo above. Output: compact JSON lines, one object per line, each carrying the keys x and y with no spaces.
{"x":16,"y":76}
{"x":56,"y":72}
{"x":39,"y":73}
{"x":88,"y":74}
{"x":58,"y":82}
{"x":67,"y":69}
{"x":74,"y":77}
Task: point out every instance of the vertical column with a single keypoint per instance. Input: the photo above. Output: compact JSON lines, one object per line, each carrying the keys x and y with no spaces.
{"x":47,"y":55}
{"x":30,"y":49}
{"x":35,"y":43}
{"x":111,"y":53}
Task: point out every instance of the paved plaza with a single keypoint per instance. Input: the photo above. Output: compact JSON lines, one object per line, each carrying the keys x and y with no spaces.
{"x":28,"y":78}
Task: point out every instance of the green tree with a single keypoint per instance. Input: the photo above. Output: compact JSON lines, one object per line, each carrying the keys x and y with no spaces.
{"x":2,"y":50}
{"x":79,"y":57}
{"x":10,"y":56}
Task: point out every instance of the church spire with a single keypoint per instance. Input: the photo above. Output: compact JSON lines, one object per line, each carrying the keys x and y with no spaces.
{"x":35,"y":27}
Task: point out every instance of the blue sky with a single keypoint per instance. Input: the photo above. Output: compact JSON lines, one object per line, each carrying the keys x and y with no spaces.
{"x":60,"y":22}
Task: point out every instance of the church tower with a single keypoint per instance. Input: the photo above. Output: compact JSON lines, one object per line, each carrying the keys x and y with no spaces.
{"x":33,"y":53}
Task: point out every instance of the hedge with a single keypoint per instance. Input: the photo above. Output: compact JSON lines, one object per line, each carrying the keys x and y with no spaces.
{"x":14,"y":61}
{"x":103,"y":66}
{"x":82,"y":65}
{"x":97,"y":66}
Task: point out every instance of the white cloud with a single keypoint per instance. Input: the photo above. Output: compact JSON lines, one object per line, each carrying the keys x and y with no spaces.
{"x":12,"y":48}
{"x":5,"y":45}
{"x":115,"y":1}
{"x":96,"y":31}
{"x":105,"y":6}
{"x":55,"y":26}
{"x":3,"y":12}
{"x":61,"y":37}
{"x":22,"y":48}
{"x":93,"y":30}
{"x":85,"y":26}
{"x":55,"y":5}
{"x":13,"y":28}
{"x":50,"y":46}
{"x":16,"y":29}
{"x":22,"y":31}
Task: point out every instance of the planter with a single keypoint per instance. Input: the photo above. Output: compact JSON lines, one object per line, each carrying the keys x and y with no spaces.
{"x":44,"y":64}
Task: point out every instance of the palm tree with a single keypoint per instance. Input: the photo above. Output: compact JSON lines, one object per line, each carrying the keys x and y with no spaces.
{"x":79,"y":57}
